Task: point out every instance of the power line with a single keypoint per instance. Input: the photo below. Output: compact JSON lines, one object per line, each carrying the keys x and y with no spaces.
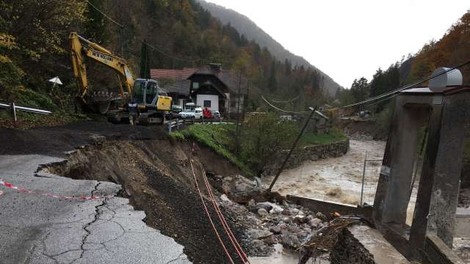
{"x":105,"y":15}
{"x":279,"y":109}
{"x":396,"y":91}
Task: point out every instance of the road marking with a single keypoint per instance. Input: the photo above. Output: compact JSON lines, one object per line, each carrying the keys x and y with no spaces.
{"x":24,"y":190}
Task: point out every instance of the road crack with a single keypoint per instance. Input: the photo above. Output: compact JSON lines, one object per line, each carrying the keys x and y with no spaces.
{"x":95,"y":219}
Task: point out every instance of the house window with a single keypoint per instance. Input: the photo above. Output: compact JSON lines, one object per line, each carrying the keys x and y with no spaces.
{"x":195,"y":85}
{"x":207,"y":103}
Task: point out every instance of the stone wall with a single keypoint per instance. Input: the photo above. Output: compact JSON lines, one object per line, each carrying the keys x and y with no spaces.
{"x":314,"y":152}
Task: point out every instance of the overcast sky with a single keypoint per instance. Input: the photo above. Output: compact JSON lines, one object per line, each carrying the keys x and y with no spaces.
{"x":351,"y":39}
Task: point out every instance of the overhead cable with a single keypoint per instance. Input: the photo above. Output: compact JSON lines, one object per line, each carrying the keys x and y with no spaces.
{"x":105,"y":15}
{"x":404,"y":88}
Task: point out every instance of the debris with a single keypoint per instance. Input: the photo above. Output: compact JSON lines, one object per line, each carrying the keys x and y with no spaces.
{"x":325,"y":238}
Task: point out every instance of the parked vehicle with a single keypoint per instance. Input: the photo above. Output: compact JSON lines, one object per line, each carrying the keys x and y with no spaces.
{"x":198,"y":113}
{"x":195,"y":113}
{"x":175,"y":112}
{"x":216,"y":114}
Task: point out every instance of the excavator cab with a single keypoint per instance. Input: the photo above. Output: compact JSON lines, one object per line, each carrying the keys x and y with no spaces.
{"x":151,"y":100}
{"x":144,"y":92}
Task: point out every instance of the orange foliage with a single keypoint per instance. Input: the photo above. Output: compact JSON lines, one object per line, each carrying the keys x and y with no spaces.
{"x":450,"y":51}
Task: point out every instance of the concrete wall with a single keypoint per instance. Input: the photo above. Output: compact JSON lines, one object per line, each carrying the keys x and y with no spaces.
{"x":437,"y":252}
{"x":315,"y":152}
{"x":330,"y":207}
{"x":365,"y":245}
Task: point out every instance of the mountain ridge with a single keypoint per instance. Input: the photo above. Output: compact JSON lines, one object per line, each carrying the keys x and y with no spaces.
{"x":253,"y":32}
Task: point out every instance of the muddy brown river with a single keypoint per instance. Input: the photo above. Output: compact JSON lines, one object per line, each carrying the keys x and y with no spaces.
{"x":336,"y":179}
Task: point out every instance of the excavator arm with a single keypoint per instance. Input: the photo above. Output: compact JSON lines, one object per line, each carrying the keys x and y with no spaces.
{"x":81,"y":49}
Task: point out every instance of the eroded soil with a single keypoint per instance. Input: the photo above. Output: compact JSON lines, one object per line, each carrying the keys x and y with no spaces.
{"x":153,"y":171}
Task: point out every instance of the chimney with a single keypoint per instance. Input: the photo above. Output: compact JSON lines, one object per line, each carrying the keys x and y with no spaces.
{"x":215,"y":67}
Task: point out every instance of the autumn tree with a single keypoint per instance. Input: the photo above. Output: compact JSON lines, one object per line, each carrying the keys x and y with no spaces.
{"x":264,"y":135}
{"x":40,"y":29}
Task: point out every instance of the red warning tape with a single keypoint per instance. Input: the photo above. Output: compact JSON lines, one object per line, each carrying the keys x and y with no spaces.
{"x":24,"y":190}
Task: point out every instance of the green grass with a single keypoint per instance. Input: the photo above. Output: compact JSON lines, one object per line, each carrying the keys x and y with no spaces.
{"x":220,"y":138}
{"x":217,"y":137}
{"x":320,"y":139}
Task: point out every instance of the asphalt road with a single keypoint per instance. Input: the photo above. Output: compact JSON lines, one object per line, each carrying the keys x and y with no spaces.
{"x":36,"y":228}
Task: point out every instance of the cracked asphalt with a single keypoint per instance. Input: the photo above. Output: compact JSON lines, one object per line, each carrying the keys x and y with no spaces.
{"x":36,"y":228}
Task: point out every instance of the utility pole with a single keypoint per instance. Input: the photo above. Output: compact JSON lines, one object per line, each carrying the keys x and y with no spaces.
{"x":238,"y":113}
{"x":292,"y":148}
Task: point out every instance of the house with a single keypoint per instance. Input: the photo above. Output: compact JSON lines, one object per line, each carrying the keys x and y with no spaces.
{"x":208,"y":90}
{"x":207,"y":86}
{"x":175,"y":82}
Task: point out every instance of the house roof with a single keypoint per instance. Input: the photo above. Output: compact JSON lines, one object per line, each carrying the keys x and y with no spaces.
{"x":178,"y":86}
{"x":181,"y":78}
{"x":173,"y":74}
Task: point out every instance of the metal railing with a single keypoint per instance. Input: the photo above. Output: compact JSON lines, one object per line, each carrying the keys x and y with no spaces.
{"x":176,"y":124}
{"x":13,"y":108}
{"x":364,"y":170}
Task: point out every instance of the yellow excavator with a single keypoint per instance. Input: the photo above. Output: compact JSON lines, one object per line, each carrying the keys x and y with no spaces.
{"x":152,"y":101}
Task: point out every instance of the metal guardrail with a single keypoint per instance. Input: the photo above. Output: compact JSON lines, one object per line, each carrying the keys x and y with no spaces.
{"x":175,"y":124}
{"x":14,"y":108}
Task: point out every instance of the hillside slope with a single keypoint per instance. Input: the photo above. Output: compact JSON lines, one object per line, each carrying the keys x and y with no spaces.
{"x":251,"y":31}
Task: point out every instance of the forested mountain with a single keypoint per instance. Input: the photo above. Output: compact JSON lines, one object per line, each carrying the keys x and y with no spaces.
{"x":251,"y":31}
{"x":179,"y":33}
{"x":451,"y":50}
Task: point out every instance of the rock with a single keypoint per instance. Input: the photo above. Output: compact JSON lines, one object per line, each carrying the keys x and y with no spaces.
{"x":293,"y":229}
{"x":240,"y":189}
{"x":224,"y":198}
{"x":321,"y":216}
{"x":265,"y":205}
{"x":302,"y":235}
{"x":290,"y":211}
{"x":275,"y":229}
{"x":270,"y":207}
{"x":300,"y":219}
{"x":258,"y":233}
{"x":283,"y":226}
{"x":290,"y":240}
{"x":262,"y":212}
{"x":315,"y":222}
{"x":259,"y":248}
{"x":270,"y":240}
